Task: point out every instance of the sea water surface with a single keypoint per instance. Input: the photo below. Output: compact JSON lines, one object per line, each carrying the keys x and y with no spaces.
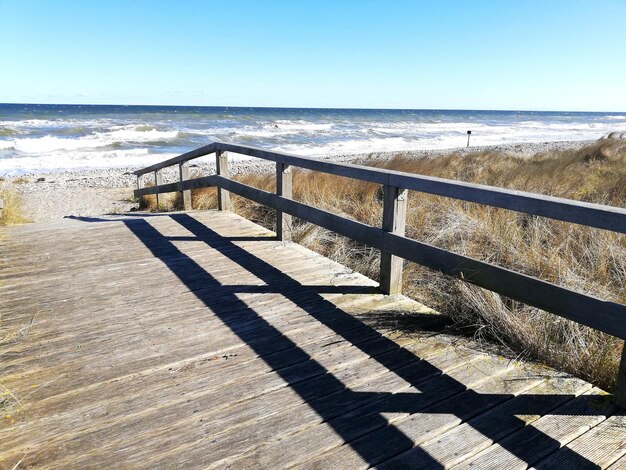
{"x":38,"y":138}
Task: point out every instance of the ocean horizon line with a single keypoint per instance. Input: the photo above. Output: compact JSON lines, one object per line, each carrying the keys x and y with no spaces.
{"x":316,"y":108}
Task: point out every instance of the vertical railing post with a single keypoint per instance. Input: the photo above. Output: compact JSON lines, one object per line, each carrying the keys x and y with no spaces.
{"x":139,"y":186}
{"x":284,"y":189}
{"x":619,"y":395}
{"x":183,"y":170}
{"x":394,"y":221}
{"x":160,"y":197}
{"x":221,"y":166}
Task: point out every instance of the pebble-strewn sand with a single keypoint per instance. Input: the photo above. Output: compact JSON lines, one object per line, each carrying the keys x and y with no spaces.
{"x":105,"y":191}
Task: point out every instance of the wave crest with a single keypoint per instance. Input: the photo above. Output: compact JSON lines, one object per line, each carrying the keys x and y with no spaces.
{"x":118,"y":138}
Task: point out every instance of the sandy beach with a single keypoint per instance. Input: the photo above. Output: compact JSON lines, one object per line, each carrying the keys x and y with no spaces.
{"x":63,"y":193}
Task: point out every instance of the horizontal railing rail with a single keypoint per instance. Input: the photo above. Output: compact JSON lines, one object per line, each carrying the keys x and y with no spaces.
{"x":606,"y":316}
{"x":583,"y":213}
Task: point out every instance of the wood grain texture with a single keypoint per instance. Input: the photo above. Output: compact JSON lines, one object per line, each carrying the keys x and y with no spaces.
{"x":195,"y":340}
{"x":603,"y":445}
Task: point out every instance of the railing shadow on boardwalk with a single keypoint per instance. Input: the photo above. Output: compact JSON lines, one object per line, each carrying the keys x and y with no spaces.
{"x":356,"y":416}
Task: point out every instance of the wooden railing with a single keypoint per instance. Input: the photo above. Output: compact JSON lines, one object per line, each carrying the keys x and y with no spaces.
{"x":602,"y":315}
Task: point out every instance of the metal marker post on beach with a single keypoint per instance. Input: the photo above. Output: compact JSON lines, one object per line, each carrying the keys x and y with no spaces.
{"x":468,"y":137}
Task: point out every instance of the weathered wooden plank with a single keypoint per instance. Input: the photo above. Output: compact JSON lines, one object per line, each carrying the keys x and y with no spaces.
{"x":249,"y":353}
{"x":238,"y":381}
{"x":116,"y":428}
{"x":600,"y":447}
{"x":302,"y":446}
{"x":619,"y":465}
{"x":105,"y":302}
{"x":231,"y":442}
{"x":109,"y":304}
{"x":490,"y":384}
{"x":89,"y":323}
{"x":467,"y":439}
{"x":313,"y":337}
{"x":546,"y":435}
{"x":69,"y":355}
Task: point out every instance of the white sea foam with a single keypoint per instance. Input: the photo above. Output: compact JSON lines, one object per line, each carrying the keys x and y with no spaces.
{"x":137,"y":135}
{"x":48,"y":143}
{"x":59,"y":123}
{"x":354,"y":146}
{"x":300,"y":125}
{"x":80,"y":160}
{"x":275,"y":129}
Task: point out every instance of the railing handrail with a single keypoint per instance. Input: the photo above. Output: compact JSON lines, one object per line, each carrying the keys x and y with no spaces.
{"x":568,"y":210}
{"x":606,"y":316}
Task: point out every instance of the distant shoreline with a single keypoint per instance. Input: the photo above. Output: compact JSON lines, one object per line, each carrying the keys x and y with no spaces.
{"x":56,"y":194}
{"x":122,"y":176}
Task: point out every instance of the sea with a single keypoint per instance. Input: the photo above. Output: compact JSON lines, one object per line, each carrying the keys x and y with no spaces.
{"x":37,"y":138}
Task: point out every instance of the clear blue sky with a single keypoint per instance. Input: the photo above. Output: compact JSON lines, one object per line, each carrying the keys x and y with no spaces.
{"x":524,"y":54}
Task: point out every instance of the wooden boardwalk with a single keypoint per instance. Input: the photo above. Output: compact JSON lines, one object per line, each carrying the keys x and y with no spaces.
{"x":196,"y":340}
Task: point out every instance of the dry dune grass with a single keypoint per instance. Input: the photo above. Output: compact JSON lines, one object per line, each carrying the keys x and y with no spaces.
{"x":588,"y":260}
{"x":173,"y":201}
{"x":12,"y":213}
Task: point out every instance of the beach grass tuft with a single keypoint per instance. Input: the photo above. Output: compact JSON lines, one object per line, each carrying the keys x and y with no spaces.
{"x":21,"y":180}
{"x":11,"y":213}
{"x":148,"y":203}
